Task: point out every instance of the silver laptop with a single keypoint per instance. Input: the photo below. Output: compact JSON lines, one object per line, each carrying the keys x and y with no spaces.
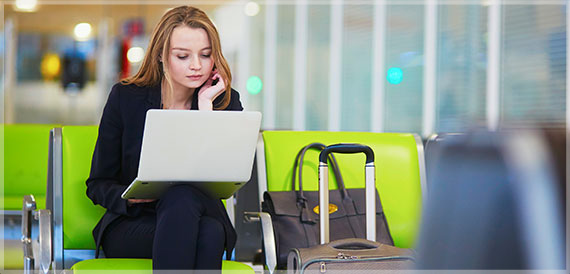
{"x":210,"y":150}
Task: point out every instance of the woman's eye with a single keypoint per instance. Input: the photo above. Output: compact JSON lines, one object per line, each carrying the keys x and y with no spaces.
{"x":206,"y":55}
{"x":182,"y":57}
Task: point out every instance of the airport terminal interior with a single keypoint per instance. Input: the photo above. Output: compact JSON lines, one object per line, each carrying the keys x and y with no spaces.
{"x":463,"y":104}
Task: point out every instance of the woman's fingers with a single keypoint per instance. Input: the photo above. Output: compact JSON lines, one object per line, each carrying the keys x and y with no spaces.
{"x":209,"y":91}
{"x":220,"y":80}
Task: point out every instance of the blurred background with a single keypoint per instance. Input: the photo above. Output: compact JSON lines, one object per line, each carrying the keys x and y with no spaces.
{"x":396,"y":66}
{"x":417,"y":66}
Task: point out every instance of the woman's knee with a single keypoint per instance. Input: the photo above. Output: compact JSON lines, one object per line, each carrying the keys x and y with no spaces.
{"x":182,"y":197}
{"x":211,"y":232}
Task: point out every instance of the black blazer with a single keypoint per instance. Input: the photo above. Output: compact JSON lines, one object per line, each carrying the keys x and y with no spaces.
{"x":117,"y":152}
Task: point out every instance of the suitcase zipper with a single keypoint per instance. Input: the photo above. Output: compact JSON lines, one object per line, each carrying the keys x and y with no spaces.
{"x":343,"y":256}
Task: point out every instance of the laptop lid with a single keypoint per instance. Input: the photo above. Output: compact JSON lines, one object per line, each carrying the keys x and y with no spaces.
{"x":199,"y":146}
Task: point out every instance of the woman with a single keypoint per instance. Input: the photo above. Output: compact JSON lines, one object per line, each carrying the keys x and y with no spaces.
{"x":183,"y":69}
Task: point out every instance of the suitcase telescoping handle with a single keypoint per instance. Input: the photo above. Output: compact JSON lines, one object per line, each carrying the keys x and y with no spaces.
{"x":324,"y":188}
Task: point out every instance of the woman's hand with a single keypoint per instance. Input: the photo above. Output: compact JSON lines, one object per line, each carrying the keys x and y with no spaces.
{"x":208,"y":93}
{"x":138,"y":201}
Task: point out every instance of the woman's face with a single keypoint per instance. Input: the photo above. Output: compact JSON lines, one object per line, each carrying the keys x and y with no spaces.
{"x":190,"y":61}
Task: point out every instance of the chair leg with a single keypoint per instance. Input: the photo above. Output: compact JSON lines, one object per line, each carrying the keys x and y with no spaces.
{"x":268,"y":237}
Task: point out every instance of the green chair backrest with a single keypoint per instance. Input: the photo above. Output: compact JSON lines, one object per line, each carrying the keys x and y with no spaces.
{"x":398,"y":160}
{"x":25,"y":162}
{"x":80,"y":215}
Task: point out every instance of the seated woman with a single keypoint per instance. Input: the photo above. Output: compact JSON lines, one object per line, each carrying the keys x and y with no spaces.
{"x":183,"y":69}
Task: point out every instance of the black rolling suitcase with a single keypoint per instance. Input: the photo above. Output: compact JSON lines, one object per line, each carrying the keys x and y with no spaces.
{"x":352,"y":253}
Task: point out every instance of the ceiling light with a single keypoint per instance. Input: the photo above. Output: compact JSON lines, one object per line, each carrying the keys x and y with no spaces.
{"x":82,"y":31}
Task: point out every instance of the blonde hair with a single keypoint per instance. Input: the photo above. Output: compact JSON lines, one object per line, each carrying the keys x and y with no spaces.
{"x":151,"y":71}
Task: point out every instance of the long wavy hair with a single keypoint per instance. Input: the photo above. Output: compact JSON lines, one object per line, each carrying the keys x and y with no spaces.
{"x":152,"y":70}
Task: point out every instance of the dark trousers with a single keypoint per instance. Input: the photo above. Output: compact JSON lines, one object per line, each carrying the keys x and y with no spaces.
{"x":179,"y":231}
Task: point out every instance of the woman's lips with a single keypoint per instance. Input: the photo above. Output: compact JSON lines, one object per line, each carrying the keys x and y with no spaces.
{"x":194,"y":77}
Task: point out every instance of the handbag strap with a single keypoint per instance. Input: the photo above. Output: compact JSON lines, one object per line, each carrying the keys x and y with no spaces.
{"x":301,"y":199}
{"x":299,"y":163}
{"x":347,"y":201}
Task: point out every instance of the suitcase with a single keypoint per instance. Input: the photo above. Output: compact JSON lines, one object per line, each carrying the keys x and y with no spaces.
{"x":352,"y":253}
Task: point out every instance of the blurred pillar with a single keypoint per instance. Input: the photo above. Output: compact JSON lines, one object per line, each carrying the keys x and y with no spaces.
{"x":430,"y":63}
{"x":244,"y":58}
{"x":104,"y":71}
{"x":11,"y":42}
{"x":473,"y":38}
{"x":125,"y":65}
{"x":300,"y":65}
{"x":270,"y":65}
{"x":335,"y":68}
{"x":494,"y":65}
{"x":378,"y":67}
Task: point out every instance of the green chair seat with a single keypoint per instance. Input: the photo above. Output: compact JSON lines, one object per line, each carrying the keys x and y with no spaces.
{"x":135,"y":265}
{"x":15,"y":202}
{"x":144,"y":266}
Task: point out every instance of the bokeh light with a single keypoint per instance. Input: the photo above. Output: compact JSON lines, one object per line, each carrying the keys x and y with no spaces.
{"x":251,"y":8}
{"x":82,"y":31}
{"x":50,"y":66}
{"x":135,"y":54}
{"x":26,"y":5}
{"x":395,"y":75}
{"x":254,"y":85}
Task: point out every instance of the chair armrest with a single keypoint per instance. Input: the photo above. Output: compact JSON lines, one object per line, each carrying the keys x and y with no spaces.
{"x":27,"y":213}
{"x":43,"y":245}
{"x":268,"y":237}
{"x":29,"y":205}
{"x":28,"y":258}
{"x":45,"y":237}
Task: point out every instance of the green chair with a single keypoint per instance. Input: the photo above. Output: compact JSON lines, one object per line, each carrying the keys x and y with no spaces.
{"x":74,"y":214}
{"x":25,"y":164}
{"x":400,"y":176}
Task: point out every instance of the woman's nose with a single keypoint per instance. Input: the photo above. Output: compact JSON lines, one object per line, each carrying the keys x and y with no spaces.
{"x":195,"y":63}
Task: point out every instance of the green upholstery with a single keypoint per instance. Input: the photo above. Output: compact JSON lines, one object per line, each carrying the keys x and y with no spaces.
{"x":144,"y":266}
{"x":25,"y":163}
{"x":136,"y":266}
{"x":397,"y":171}
{"x":79,"y":214}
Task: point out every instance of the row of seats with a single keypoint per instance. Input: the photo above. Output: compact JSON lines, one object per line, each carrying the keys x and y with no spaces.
{"x":486,"y":196}
{"x":400,"y":182}
{"x":73,"y":215}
